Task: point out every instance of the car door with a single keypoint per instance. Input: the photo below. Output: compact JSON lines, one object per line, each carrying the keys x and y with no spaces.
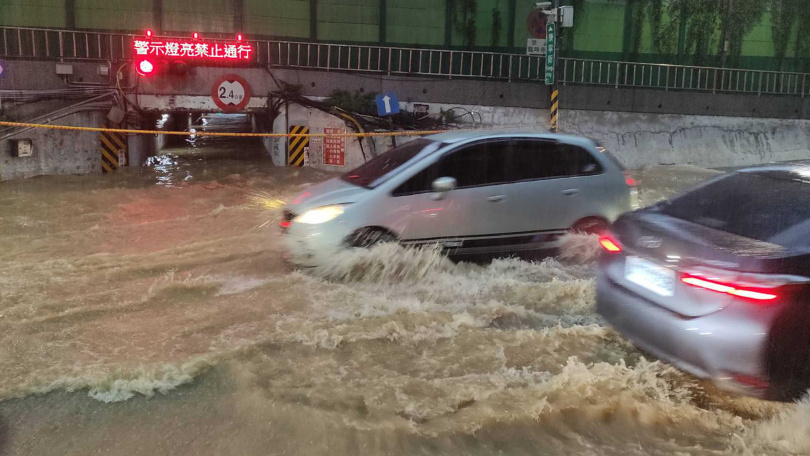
{"x":551,"y":188}
{"x":473,"y":209}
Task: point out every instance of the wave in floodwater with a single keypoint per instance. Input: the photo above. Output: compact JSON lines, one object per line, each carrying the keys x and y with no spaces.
{"x":141,"y":319}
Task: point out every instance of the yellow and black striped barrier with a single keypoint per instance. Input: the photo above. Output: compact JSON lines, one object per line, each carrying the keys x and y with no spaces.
{"x":297,"y":145}
{"x":554,"y":114}
{"x":113,"y":150}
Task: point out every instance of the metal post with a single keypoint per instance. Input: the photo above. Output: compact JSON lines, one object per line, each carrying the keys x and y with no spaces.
{"x":554,"y":111}
{"x":618,"y":71}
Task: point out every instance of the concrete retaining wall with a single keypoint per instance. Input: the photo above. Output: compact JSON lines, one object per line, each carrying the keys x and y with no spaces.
{"x":652,"y":139}
{"x":56,"y":151}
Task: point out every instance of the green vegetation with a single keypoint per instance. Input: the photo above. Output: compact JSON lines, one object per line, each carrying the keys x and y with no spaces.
{"x":359,"y":102}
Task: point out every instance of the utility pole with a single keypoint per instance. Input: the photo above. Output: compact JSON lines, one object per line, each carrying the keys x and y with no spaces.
{"x":554,"y":112}
{"x":557,"y":18}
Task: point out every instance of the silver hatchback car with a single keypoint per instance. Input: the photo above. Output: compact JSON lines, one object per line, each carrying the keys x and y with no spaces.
{"x":470,"y":192}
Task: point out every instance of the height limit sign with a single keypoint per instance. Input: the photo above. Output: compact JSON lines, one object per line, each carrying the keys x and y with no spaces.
{"x":551,"y":51}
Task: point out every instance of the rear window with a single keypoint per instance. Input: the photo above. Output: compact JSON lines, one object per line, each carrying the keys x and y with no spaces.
{"x":379,"y":169}
{"x":757,"y":207}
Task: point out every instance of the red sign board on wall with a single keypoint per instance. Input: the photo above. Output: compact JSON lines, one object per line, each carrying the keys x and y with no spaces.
{"x":334,"y":147}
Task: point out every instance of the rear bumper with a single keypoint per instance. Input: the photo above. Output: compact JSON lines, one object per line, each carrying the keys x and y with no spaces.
{"x":723,"y":346}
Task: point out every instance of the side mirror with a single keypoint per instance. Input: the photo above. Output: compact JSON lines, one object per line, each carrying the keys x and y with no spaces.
{"x":443,"y":185}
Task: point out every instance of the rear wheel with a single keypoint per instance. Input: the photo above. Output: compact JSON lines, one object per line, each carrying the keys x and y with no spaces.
{"x":369,"y":237}
{"x":787,"y":357}
{"x":591,"y":225}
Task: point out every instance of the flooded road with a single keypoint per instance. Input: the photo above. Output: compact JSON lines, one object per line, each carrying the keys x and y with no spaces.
{"x":152,"y":312}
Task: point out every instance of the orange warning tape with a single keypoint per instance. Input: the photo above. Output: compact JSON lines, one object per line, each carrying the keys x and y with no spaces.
{"x":255,"y":135}
{"x":212,"y":133}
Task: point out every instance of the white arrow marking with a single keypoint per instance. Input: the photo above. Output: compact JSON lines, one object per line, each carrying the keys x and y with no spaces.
{"x":387,"y":101}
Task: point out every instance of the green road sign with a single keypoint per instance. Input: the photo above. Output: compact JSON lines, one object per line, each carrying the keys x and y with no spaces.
{"x":551,"y":50}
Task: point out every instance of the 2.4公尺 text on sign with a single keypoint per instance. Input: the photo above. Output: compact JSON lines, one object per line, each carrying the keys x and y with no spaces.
{"x":193,"y":49}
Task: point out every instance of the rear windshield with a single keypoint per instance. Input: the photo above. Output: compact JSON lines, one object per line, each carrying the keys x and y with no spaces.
{"x":750,"y":205}
{"x":379,"y":169}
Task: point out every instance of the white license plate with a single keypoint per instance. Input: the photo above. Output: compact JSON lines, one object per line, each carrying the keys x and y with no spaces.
{"x":649,"y":275}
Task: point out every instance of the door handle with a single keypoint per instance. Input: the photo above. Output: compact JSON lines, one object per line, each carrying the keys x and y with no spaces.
{"x":570,"y":191}
{"x":496,"y":198}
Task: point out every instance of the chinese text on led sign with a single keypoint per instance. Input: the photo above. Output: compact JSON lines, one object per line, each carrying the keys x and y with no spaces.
{"x":193,"y":49}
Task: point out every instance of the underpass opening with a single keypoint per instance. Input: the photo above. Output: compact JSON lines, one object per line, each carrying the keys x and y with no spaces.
{"x":193,"y":156}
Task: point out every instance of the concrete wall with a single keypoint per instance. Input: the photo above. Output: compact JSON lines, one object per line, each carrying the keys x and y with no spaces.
{"x":653,"y":139}
{"x":608,"y":98}
{"x":56,"y":152}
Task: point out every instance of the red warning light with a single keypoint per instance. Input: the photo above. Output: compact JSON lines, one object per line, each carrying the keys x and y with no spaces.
{"x":149,"y":33}
{"x":196,"y":36}
{"x":145,"y":67}
{"x":239,"y":37}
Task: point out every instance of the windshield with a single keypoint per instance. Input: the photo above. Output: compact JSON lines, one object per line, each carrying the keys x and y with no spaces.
{"x":379,"y":169}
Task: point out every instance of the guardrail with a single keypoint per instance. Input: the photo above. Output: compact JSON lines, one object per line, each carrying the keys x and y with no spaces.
{"x":679,"y":77}
{"x":37,"y":43}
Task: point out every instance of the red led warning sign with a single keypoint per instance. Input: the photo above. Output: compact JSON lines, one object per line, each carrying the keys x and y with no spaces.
{"x":192,"y":49}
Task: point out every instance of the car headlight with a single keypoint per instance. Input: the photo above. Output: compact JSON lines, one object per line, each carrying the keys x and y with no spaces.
{"x":319,"y":215}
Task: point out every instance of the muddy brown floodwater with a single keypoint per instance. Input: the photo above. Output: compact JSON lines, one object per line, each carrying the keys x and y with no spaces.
{"x":152,"y":312}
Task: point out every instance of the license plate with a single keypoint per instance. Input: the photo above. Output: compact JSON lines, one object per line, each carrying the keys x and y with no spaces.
{"x":649,"y":275}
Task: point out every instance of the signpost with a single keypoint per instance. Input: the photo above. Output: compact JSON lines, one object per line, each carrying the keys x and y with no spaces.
{"x":551,"y":51}
{"x":231,"y":93}
{"x":387,"y":104}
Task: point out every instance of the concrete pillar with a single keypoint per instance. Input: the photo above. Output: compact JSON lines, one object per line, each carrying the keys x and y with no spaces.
{"x":141,"y":147}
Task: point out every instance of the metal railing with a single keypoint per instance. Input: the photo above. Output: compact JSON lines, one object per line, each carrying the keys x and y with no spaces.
{"x":679,"y":77}
{"x":408,"y":61}
{"x":23,"y":42}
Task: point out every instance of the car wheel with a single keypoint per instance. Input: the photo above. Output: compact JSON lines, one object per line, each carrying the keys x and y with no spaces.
{"x":591,"y":225}
{"x":369,"y":237}
{"x":787,"y":358}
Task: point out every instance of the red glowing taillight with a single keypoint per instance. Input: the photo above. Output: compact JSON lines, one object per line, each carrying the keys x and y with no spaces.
{"x":628,"y":179}
{"x":285,"y":224}
{"x":729,"y":288}
{"x":610,"y":244}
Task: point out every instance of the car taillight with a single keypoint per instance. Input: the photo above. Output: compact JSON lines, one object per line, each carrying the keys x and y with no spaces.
{"x":628,"y":179}
{"x":609,"y":244}
{"x":285,"y":223}
{"x":730,"y":288}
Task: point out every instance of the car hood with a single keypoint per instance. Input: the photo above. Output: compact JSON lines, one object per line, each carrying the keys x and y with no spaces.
{"x":333,"y":191}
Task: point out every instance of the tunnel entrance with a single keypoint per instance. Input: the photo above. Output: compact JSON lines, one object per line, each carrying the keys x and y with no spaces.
{"x":206,"y":148}
{"x":178,"y":160}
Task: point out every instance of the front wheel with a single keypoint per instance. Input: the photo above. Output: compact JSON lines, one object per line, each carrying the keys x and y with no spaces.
{"x":368,"y":237}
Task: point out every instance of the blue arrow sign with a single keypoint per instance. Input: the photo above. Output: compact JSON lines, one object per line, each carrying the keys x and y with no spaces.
{"x":3,"y":69}
{"x":387,"y":104}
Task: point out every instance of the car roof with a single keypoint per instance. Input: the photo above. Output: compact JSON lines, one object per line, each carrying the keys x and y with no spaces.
{"x":796,"y":171}
{"x":452,"y":137}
